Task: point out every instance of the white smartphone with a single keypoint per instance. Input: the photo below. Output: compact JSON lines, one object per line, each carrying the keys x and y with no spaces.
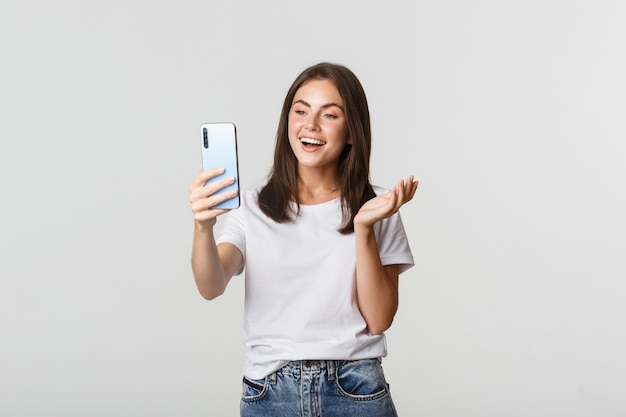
{"x":219,"y":149}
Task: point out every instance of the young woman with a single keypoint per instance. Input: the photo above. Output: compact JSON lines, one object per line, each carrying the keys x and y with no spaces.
{"x":322,"y":250}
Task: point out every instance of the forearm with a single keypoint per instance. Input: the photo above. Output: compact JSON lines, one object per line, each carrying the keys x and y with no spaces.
{"x":207,"y":267}
{"x":377,"y":286}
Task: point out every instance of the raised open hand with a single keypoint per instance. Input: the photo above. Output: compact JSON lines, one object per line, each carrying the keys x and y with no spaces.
{"x":387,"y":204}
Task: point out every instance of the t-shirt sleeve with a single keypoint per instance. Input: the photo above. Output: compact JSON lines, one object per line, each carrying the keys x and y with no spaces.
{"x":393,"y":244}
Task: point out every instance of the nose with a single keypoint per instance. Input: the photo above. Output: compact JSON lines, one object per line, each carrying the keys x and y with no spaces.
{"x":311,"y":124}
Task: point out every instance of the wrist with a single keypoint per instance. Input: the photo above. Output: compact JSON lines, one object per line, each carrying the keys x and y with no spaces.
{"x":205,"y":226}
{"x":363,"y":229}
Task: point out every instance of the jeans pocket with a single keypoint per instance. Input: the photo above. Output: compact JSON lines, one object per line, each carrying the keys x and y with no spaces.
{"x":362,"y":380}
{"x":253,"y":389}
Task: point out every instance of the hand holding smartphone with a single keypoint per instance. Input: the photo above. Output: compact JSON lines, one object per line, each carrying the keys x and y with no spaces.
{"x":219,"y":149}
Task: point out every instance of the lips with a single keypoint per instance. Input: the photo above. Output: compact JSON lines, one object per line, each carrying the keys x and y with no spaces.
{"x":312,"y":142}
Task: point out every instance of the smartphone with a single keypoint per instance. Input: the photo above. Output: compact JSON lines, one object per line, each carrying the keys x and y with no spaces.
{"x":219,"y":149}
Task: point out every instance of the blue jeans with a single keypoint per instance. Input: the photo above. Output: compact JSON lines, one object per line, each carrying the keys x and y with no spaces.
{"x":320,"y":388}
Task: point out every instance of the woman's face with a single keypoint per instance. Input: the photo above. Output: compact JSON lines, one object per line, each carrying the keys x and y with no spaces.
{"x":317,"y":125}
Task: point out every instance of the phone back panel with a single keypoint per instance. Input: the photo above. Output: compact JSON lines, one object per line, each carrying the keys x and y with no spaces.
{"x":219,"y":149}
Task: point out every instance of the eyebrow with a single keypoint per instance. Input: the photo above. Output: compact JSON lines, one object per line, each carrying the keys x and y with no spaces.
{"x":325,"y":106}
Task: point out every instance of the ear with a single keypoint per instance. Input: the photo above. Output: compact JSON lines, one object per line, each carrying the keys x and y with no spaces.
{"x":349,"y":141}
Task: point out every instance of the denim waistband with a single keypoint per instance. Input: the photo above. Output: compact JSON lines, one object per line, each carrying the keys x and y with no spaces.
{"x":297,"y":368}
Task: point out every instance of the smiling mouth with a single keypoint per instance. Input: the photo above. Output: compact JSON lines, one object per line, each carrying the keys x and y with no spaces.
{"x":312,"y":142}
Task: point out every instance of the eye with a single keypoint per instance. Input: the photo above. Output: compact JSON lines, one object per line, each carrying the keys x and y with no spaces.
{"x":299,"y":112}
{"x":330,"y":116}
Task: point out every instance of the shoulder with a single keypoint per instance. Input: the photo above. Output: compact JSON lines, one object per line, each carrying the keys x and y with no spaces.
{"x":250,"y":195}
{"x":249,"y":201}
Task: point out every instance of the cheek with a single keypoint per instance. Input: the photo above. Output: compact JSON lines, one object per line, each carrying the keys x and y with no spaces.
{"x":343,"y":133}
{"x":293,"y":120}
{"x":292,"y":129}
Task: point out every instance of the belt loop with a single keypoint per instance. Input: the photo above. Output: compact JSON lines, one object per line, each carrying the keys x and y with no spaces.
{"x":295,"y":368}
{"x":273,"y":378}
{"x":332,"y":370}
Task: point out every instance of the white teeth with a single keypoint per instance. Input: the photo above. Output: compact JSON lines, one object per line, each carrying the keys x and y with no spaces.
{"x":309,"y":141}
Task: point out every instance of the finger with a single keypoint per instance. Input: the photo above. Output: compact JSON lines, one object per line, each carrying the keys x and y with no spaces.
{"x":204,"y":176}
{"x":204,"y":189}
{"x":406,"y":190}
{"x":203,"y":208}
{"x":410,"y":188}
{"x":402,"y":194}
{"x":204,"y":204}
{"x":408,"y":185}
{"x":216,"y":185}
{"x":414,"y":186}
{"x":216,"y":199}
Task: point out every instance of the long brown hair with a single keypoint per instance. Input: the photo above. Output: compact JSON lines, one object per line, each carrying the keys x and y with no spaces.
{"x":353,"y":165}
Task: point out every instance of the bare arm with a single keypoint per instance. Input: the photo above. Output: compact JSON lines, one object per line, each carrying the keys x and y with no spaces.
{"x":377,"y":285}
{"x":213,"y":265}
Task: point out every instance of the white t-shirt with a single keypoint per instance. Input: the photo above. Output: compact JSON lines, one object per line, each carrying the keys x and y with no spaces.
{"x":300,"y":296}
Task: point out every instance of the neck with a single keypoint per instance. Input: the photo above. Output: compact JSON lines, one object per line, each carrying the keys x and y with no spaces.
{"x":318,"y":189}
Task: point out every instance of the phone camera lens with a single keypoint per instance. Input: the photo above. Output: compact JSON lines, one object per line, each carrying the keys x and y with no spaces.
{"x":206,"y":138}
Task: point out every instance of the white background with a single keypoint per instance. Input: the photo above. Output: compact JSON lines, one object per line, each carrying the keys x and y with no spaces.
{"x":511,"y":114}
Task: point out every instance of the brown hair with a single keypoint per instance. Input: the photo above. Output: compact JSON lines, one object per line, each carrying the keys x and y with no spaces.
{"x":353,"y":165}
